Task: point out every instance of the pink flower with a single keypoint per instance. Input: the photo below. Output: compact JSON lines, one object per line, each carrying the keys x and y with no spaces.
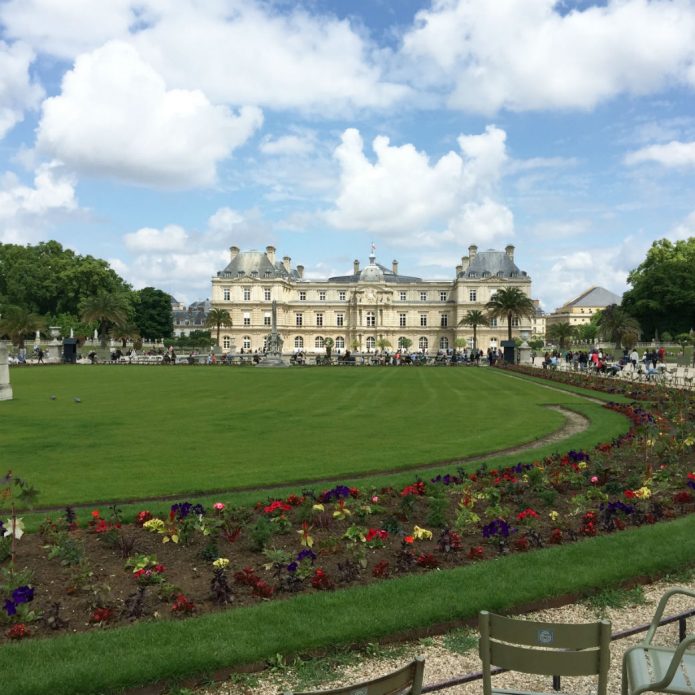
{"x":218,"y":506}
{"x":594,"y":479}
{"x":375,"y":499}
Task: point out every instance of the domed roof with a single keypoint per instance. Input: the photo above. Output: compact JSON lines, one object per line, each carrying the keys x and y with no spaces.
{"x":372,"y":273}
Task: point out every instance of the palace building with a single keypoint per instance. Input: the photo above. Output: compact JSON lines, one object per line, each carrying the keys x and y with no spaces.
{"x":375,"y":308}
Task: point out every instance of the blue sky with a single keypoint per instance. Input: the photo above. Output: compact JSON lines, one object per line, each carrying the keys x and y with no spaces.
{"x":157,"y":133}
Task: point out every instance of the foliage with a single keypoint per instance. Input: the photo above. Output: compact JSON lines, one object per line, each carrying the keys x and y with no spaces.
{"x":662,"y":296}
{"x":107,"y":310}
{"x":560,"y":333}
{"x":510,"y":303}
{"x":616,"y":325}
{"x":17,"y":323}
{"x":218,"y":318}
{"x":404,"y":343}
{"x":474,"y":318}
{"x":153,"y":315}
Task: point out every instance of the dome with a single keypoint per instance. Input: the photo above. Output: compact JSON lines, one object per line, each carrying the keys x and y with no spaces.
{"x":372,"y":273}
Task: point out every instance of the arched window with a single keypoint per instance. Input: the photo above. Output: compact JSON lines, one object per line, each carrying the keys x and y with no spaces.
{"x":401,"y":340}
{"x":319,"y":343}
{"x":371,"y":342}
{"x":423,"y":343}
{"x":444,"y":343}
{"x":298,"y":342}
{"x":226,"y":342}
{"x":246,"y":342}
{"x":340,"y":343}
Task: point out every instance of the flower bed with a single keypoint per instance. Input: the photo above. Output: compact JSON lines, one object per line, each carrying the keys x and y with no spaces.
{"x":197,"y":559}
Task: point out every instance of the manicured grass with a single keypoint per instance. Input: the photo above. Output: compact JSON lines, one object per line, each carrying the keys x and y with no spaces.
{"x":149,"y":431}
{"x":106,"y":661}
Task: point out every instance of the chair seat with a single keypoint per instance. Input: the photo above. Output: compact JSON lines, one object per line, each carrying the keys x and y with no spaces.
{"x":647,"y":666}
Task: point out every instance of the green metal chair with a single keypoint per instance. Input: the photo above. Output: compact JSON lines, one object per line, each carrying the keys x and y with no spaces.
{"x":404,"y":681}
{"x":549,"y":649}
{"x":647,"y":667}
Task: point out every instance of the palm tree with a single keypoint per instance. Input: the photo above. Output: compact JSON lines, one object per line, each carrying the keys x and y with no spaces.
{"x":328,"y":343}
{"x":126,"y":331}
{"x":17,"y":322}
{"x":108,"y":310}
{"x":404,"y":343}
{"x":616,"y":325}
{"x":560,"y":332}
{"x":510,"y":302}
{"x":474,"y":318}
{"x":383,"y":343}
{"x":218,"y":318}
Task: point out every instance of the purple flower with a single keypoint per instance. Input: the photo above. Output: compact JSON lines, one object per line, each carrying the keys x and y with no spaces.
{"x":338,"y":492}
{"x":306,"y":553}
{"x":497,"y":527}
{"x":10,"y":607}
{"x":23,"y":594}
{"x":183,"y":509}
{"x":292,"y":567}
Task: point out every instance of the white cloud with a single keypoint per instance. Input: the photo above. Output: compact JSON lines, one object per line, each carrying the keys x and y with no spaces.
{"x":25,"y":210}
{"x":116,"y":118}
{"x":683,"y":230}
{"x":525,"y":54}
{"x":286,"y":145}
{"x":672,"y":154}
{"x":416,"y":202}
{"x":147,"y":239}
{"x":18,"y":91}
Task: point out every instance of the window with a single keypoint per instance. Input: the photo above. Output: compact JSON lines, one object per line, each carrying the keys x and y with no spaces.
{"x":247,"y":318}
{"x":423,"y":296}
{"x":472,"y":295}
{"x":444,"y":343}
{"x":401,"y":342}
{"x":340,"y":343}
{"x":371,"y":319}
{"x":340,"y":319}
{"x":298,"y":319}
{"x":226,"y":342}
{"x":302,"y":296}
{"x":442,"y":295}
{"x":515,"y":321}
{"x":404,"y":296}
{"x":444,"y":320}
{"x":266,"y":294}
{"x":247,"y":294}
{"x":319,"y":342}
{"x":298,"y":342}
{"x":267,"y":274}
{"x":402,"y":320}
{"x":319,"y":319}
{"x":493,"y":323}
{"x":322,"y":296}
{"x":226,"y":294}
{"x":423,"y":319}
{"x":423,"y":343}
{"x":266,"y":319}
{"x":246,"y":342}
{"x":342,"y":295}
{"x":371,"y":343}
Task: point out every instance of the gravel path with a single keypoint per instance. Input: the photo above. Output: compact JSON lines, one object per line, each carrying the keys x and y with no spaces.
{"x":442,"y":663}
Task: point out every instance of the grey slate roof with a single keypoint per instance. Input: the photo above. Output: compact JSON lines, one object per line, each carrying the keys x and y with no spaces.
{"x":595,"y":296}
{"x":256,"y":264}
{"x":492,"y":263}
{"x":389,"y":276}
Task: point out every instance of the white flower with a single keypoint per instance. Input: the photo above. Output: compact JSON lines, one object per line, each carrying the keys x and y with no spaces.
{"x":14,"y":527}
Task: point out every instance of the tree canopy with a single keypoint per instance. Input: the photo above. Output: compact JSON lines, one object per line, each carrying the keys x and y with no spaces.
{"x":662,"y":297}
{"x":510,"y":303}
{"x":153,"y":315}
{"x":616,"y":325}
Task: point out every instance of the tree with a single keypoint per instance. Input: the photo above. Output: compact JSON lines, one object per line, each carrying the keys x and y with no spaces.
{"x":510,"y":302}
{"x":218,"y":318}
{"x":125,"y":332}
{"x":616,"y":325}
{"x":662,"y":296}
{"x":17,"y":323}
{"x":560,"y":333}
{"x":474,"y":318}
{"x":383,"y":344}
{"x":108,"y":310}
{"x":404,"y":343}
{"x":587,"y":331}
{"x":153,"y":315}
{"x":328,"y":343}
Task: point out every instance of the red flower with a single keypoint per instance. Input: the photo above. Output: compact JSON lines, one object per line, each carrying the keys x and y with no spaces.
{"x":142,"y":517}
{"x":295,"y":500}
{"x":262,"y":589}
{"x":522,"y":544}
{"x":408,"y":539}
{"x":629,"y":494}
{"x":18,"y":631}
{"x":376,"y":533}
{"x":476,"y":552}
{"x":381,"y":569}
{"x":277,"y":504}
{"x":96,"y":514}
{"x":427,"y":560}
{"x":354,"y":492}
{"x":101,"y":615}
{"x":159,"y":568}
{"x":556,"y":536}
{"x":682,"y":498}
{"x":321,"y":580}
{"x":182,"y":604}
{"x":528,"y":512}
{"x":417,"y":489}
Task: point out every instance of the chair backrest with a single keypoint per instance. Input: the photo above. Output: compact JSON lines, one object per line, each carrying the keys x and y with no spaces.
{"x":404,"y":681}
{"x":551,"y":649}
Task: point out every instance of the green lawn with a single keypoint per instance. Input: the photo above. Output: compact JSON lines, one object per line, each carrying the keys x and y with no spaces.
{"x":148,"y":431}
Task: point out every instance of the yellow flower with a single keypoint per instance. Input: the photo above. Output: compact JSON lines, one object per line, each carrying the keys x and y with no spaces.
{"x":154,"y":525}
{"x":689,"y":441}
{"x":554,"y":515}
{"x":318,"y":508}
{"x":649,"y":442}
{"x":581,"y":465}
{"x":221,"y":563}
{"x":643,"y":493}
{"x":422,"y":534}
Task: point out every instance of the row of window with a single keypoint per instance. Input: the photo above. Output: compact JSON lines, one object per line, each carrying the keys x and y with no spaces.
{"x":320,"y":343}
{"x":342,"y":295}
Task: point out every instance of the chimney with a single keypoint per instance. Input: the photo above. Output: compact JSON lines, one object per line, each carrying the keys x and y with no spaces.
{"x":472,"y":251}
{"x":270,"y":252}
{"x":300,"y":271}
{"x":356,"y":266}
{"x":233,"y":252}
{"x":459,"y":270}
{"x":465,"y":262}
{"x":394,"y":266}
{"x":287,"y":262}
{"x":509,"y":250}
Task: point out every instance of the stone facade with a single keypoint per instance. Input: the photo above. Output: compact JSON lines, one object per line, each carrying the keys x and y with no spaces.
{"x":578,"y":311}
{"x":371,"y":309}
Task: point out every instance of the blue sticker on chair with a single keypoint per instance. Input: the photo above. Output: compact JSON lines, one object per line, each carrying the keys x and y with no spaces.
{"x":546,"y":636}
